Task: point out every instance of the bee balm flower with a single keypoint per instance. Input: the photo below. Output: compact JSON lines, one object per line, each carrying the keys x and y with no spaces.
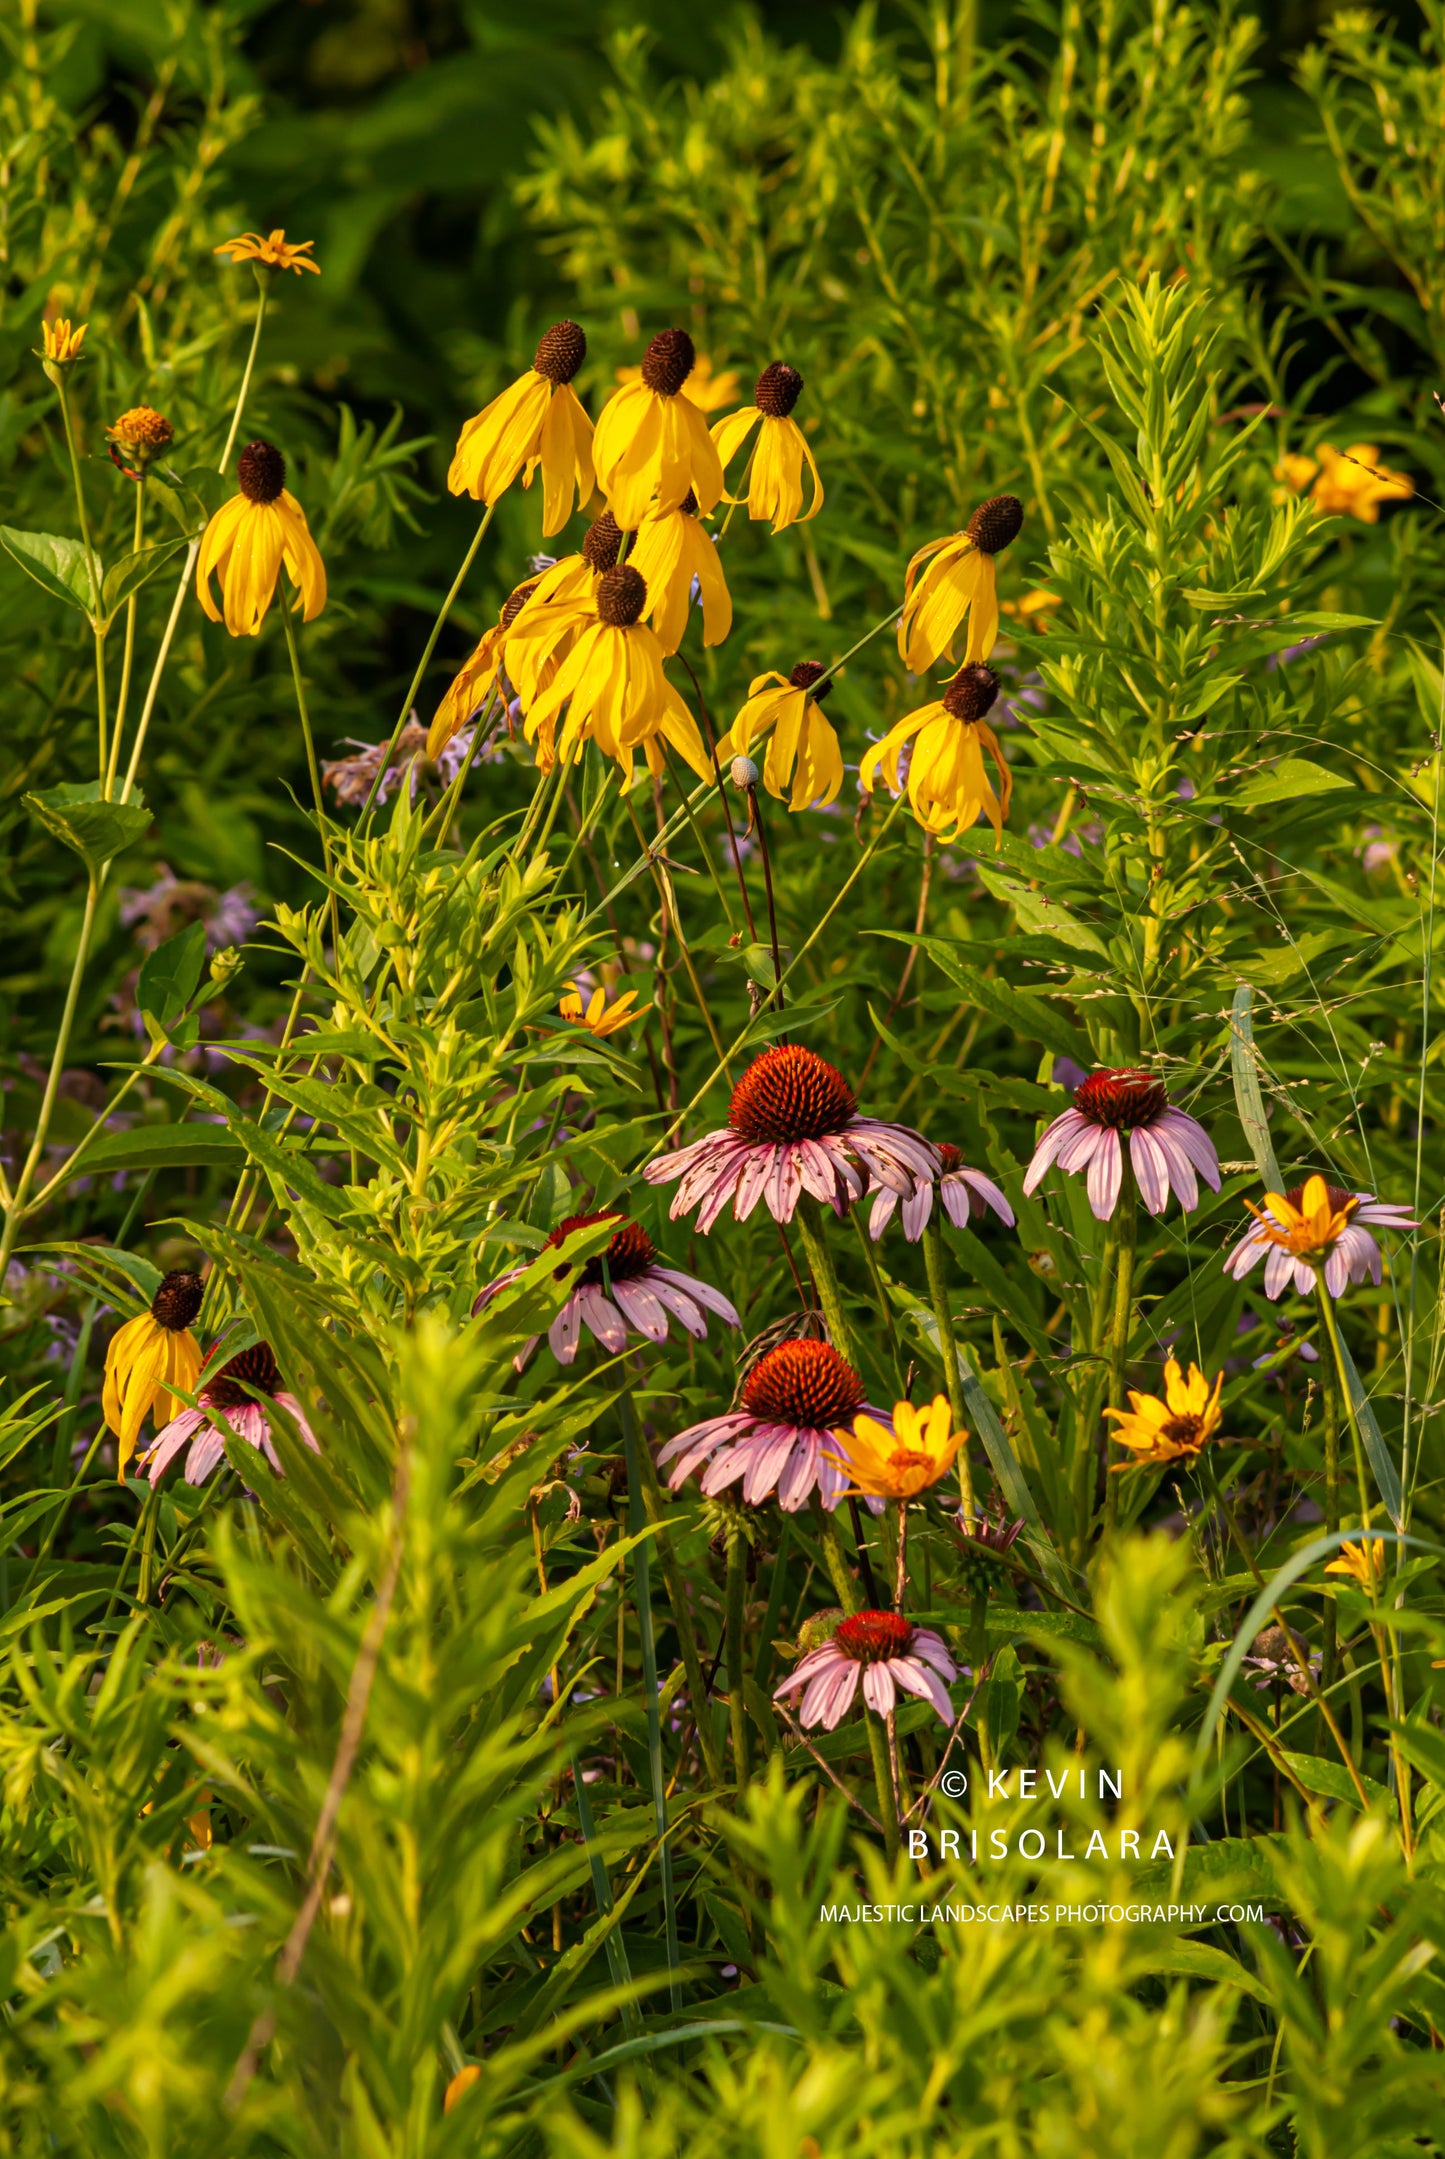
{"x":635,"y":1292}
{"x":1166,"y":1146}
{"x":783,"y":1438}
{"x":888,"y":1652}
{"x":793,"y":1127}
{"x":1316,"y":1228}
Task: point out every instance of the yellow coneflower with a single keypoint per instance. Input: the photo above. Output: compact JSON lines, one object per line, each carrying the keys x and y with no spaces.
{"x":559,"y":606}
{"x":537,"y":421}
{"x":948,"y":784}
{"x":775,"y":479}
{"x":248,"y":540}
{"x":614,"y":689}
{"x":803,"y":749}
{"x":1176,"y":1429}
{"x":704,"y":387}
{"x":900,"y":1461}
{"x":272,"y":252}
{"x":598,"y":1017}
{"x":148,"y":1359}
{"x":478,"y":675}
{"x":1349,"y":483}
{"x":953,"y":578}
{"x":1364,"y":1563}
{"x":652,"y":441}
{"x":671,"y":549}
{"x":60,"y":343}
{"x":142,"y":434}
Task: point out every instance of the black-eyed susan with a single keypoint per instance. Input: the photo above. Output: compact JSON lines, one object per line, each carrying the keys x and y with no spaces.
{"x":674,"y":551}
{"x":249,"y":539}
{"x":1175,"y":1429}
{"x":559,"y":606}
{"x":707,"y":387}
{"x":537,"y":421}
{"x":1363,"y":1563}
{"x":149,"y":1359}
{"x":901,"y":1459}
{"x":652,"y":441}
{"x":1347,"y":483}
{"x":614,"y":691}
{"x":270,"y":251}
{"x":804,"y":762}
{"x":948,"y":784}
{"x":775,"y":477}
{"x":597,"y":1016}
{"x":952,"y":579}
{"x":138,"y":438}
{"x":480,"y":673}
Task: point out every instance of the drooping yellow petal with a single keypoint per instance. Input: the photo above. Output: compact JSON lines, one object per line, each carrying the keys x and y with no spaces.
{"x":494,"y":446}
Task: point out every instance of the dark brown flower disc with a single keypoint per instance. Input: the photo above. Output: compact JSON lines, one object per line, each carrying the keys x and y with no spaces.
{"x":668,"y":361}
{"x":809,"y":672}
{"x":603,"y":543}
{"x":516,"y":600}
{"x":177,"y":1301}
{"x":255,"y":1368}
{"x":995,"y":522}
{"x":621,"y":596}
{"x":971,"y":693}
{"x":803,"y":1383}
{"x":561,"y":351}
{"x":778,"y":389}
{"x":261,"y":472}
{"x":630,"y":1253}
{"x":789,"y":1094}
{"x":1339,"y":1197}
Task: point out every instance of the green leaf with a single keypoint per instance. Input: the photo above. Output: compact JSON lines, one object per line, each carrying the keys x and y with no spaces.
{"x":1011,"y":1478}
{"x":1386,"y":1476}
{"x":1248,"y":1098}
{"x":1331,"y":1780}
{"x":158,"y":1146}
{"x":96,"y":831}
{"x":1291,"y":777}
{"x":56,"y":563}
{"x":1328,"y":621}
{"x":131,"y":572}
{"x":170,"y":976}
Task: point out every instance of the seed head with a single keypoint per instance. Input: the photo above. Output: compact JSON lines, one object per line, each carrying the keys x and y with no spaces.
{"x":177,"y":1301}
{"x":806,"y":673}
{"x":743,"y":773}
{"x":254,"y":1367}
{"x":621,"y":596}
{"x":668,"y":361}
{"x":778,"y":389}
{"x":805,"y":1384}
{"x":788,"y":1094}
{"x":516,"y":600}
{"x":603,"y":543}
{"x":261,"y":471}
{"x":560,"y":352}
{"x":971,"y":693}
{"x":995,"y":522}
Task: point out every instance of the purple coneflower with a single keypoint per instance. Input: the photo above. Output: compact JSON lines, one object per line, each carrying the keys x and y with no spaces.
{"x":783,"y":1437}
{"x":793,"y":1127}
{"x":963,"y":1193}
{"x":889,"y":1651}
{"x":227,"y":1404}
{"x":1166,"y":1146}
{"x":1315,"y":1228}
{"x":636,"y":1292}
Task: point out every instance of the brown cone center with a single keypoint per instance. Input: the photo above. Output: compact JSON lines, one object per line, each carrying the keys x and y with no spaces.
{"x":621,"y":596}
{"x":1123,"y":1100}
{"x":870,"y":1637}
{"x":561,"y":351}
{"x":254,"y":1367}
{"x":177,"y":1301}
{"x":261,"y":472}
{"x":803,"y":1383}
{"x":790,"y":1093}
{"x":630,"y":1253}
{"x":995,"y":523}
{"x":971,"y":693}
{"x":668,"y":361}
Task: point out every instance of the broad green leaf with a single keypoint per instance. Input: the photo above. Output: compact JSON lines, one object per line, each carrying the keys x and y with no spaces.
{"x":158,"y":1146}
{"x":1291,"y":777}
{"x":96,"y":831}
{"x":54,"y":562}
{"x":131,"y":572}
{"x":170,"y":976}
{"x":1331,"y":1780}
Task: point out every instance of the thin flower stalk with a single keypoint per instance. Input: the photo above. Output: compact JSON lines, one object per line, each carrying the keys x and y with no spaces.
{"x":634,"y":1448}
{"x":938,"y":1297}
{"x":1122,"y":1318}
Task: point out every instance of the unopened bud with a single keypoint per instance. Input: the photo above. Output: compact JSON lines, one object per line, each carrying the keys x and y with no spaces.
{"x":225,"y":965}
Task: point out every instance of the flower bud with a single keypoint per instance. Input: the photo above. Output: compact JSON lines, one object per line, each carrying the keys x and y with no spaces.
{"x":743,"y":774}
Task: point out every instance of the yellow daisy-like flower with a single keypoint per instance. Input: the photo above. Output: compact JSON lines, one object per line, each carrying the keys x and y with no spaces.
{"x":478,"y":676}
{"x":803,"y":751}
{"x":1175,"y":1430}
{"x":273,"y":252}
{"x":60,"y":343}
{"x":953,"y":579}
{"x":1350,"y":483}
{"x":1364,"y":1563}
{"x":671,"y":549}
{"x":948,"y":783}
{"x":651,"y":440}
{"x":599,"y":1018}
{"x":537,"y":421}
{"x":248,"y":540}
{"x":148,"y":1359}
{"x":559,"y":606}
{"x":614,"y":690}
{"x":775,"y":478}
{"x":900,"y":1461}
{"x":703,"y":388}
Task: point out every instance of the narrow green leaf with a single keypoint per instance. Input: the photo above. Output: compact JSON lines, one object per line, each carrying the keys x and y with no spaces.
{"x":1006,"y":1468}
{"x":1386,"y":1475}
{"x":159,"y":1146}
{"x":1291,"y":777}
{"x":132,"y":571}
{"x":1248,"y":1098}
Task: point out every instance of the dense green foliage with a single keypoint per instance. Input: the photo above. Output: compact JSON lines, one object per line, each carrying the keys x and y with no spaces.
{"x":443,"y":1756}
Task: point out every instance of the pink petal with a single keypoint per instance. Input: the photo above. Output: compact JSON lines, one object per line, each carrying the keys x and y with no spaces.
{"x":1195,"y":1141}
{"x":566,"y":1329}
{"x":646,"y":1311}
{"x":168,"y":1442}
{"x":1150,"y":1168}
{"x":987,"y":1191}
{"x":916,"y":1211}
{"x":912,"y":1673}
{"x":703,"y":1293}
{"x":801,"y":1473}
{"x":1047,"y":1150}
{"x":1106,"y":1172}
{"x":881,"y":1214}
{"x":1178,"y":1166}
{"x":878,"y":1689}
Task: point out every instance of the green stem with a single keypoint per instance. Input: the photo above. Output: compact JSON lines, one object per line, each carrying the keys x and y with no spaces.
{"x":128,"y":655}
{"x":846,"y":1591}
{"x":825,"y":1279}
{"x":427,"y":650}
{"x":262,"y":283}
{"x":15,"y":1213}
{"x":143,"y":725}
{"x":1127,"y":1216}
{"x":642,"y":1580}
{"x":676,"y":1586}
{"x":1337,"y":1350}
{"x":948,"y":1349}
{"x":1331,"y":1403}
{"x":92,"y":571}
{"x":737,"y":1589}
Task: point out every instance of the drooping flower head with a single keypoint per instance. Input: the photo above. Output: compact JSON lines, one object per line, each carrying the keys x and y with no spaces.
{"x":149,"y":1359}
{"x":1350,"y":483}
{"x":775,"y":477}
{"x":559,"y":606}
{"x":793,"y":1127}
{"x":888,"y":1652}
{"x":948,"y":783}
{"x":951,"y":580}
{"x":1166,"y":1145}
{"x":137,"y":438}
{"x":227,"y":1404}
{"x":537,"y":420}
{"x":963,"y":1193}
{"x":674,"y":552}
{"x":902,"y":1458}
{"x":599,"y":1017}
{"x":478,"y":676}
{"x":804,"y":763}
{"x":249,"y":539}
{"x":652,"y":441}
{"x":270,"y":251}
{"x":614,"y":691}
{"x":1312,"y":1230}
{"x":782,"y":1439}
{"x":705,"y":387}
{"x":1176,"y":1429}
{"x":627,"y":1286}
